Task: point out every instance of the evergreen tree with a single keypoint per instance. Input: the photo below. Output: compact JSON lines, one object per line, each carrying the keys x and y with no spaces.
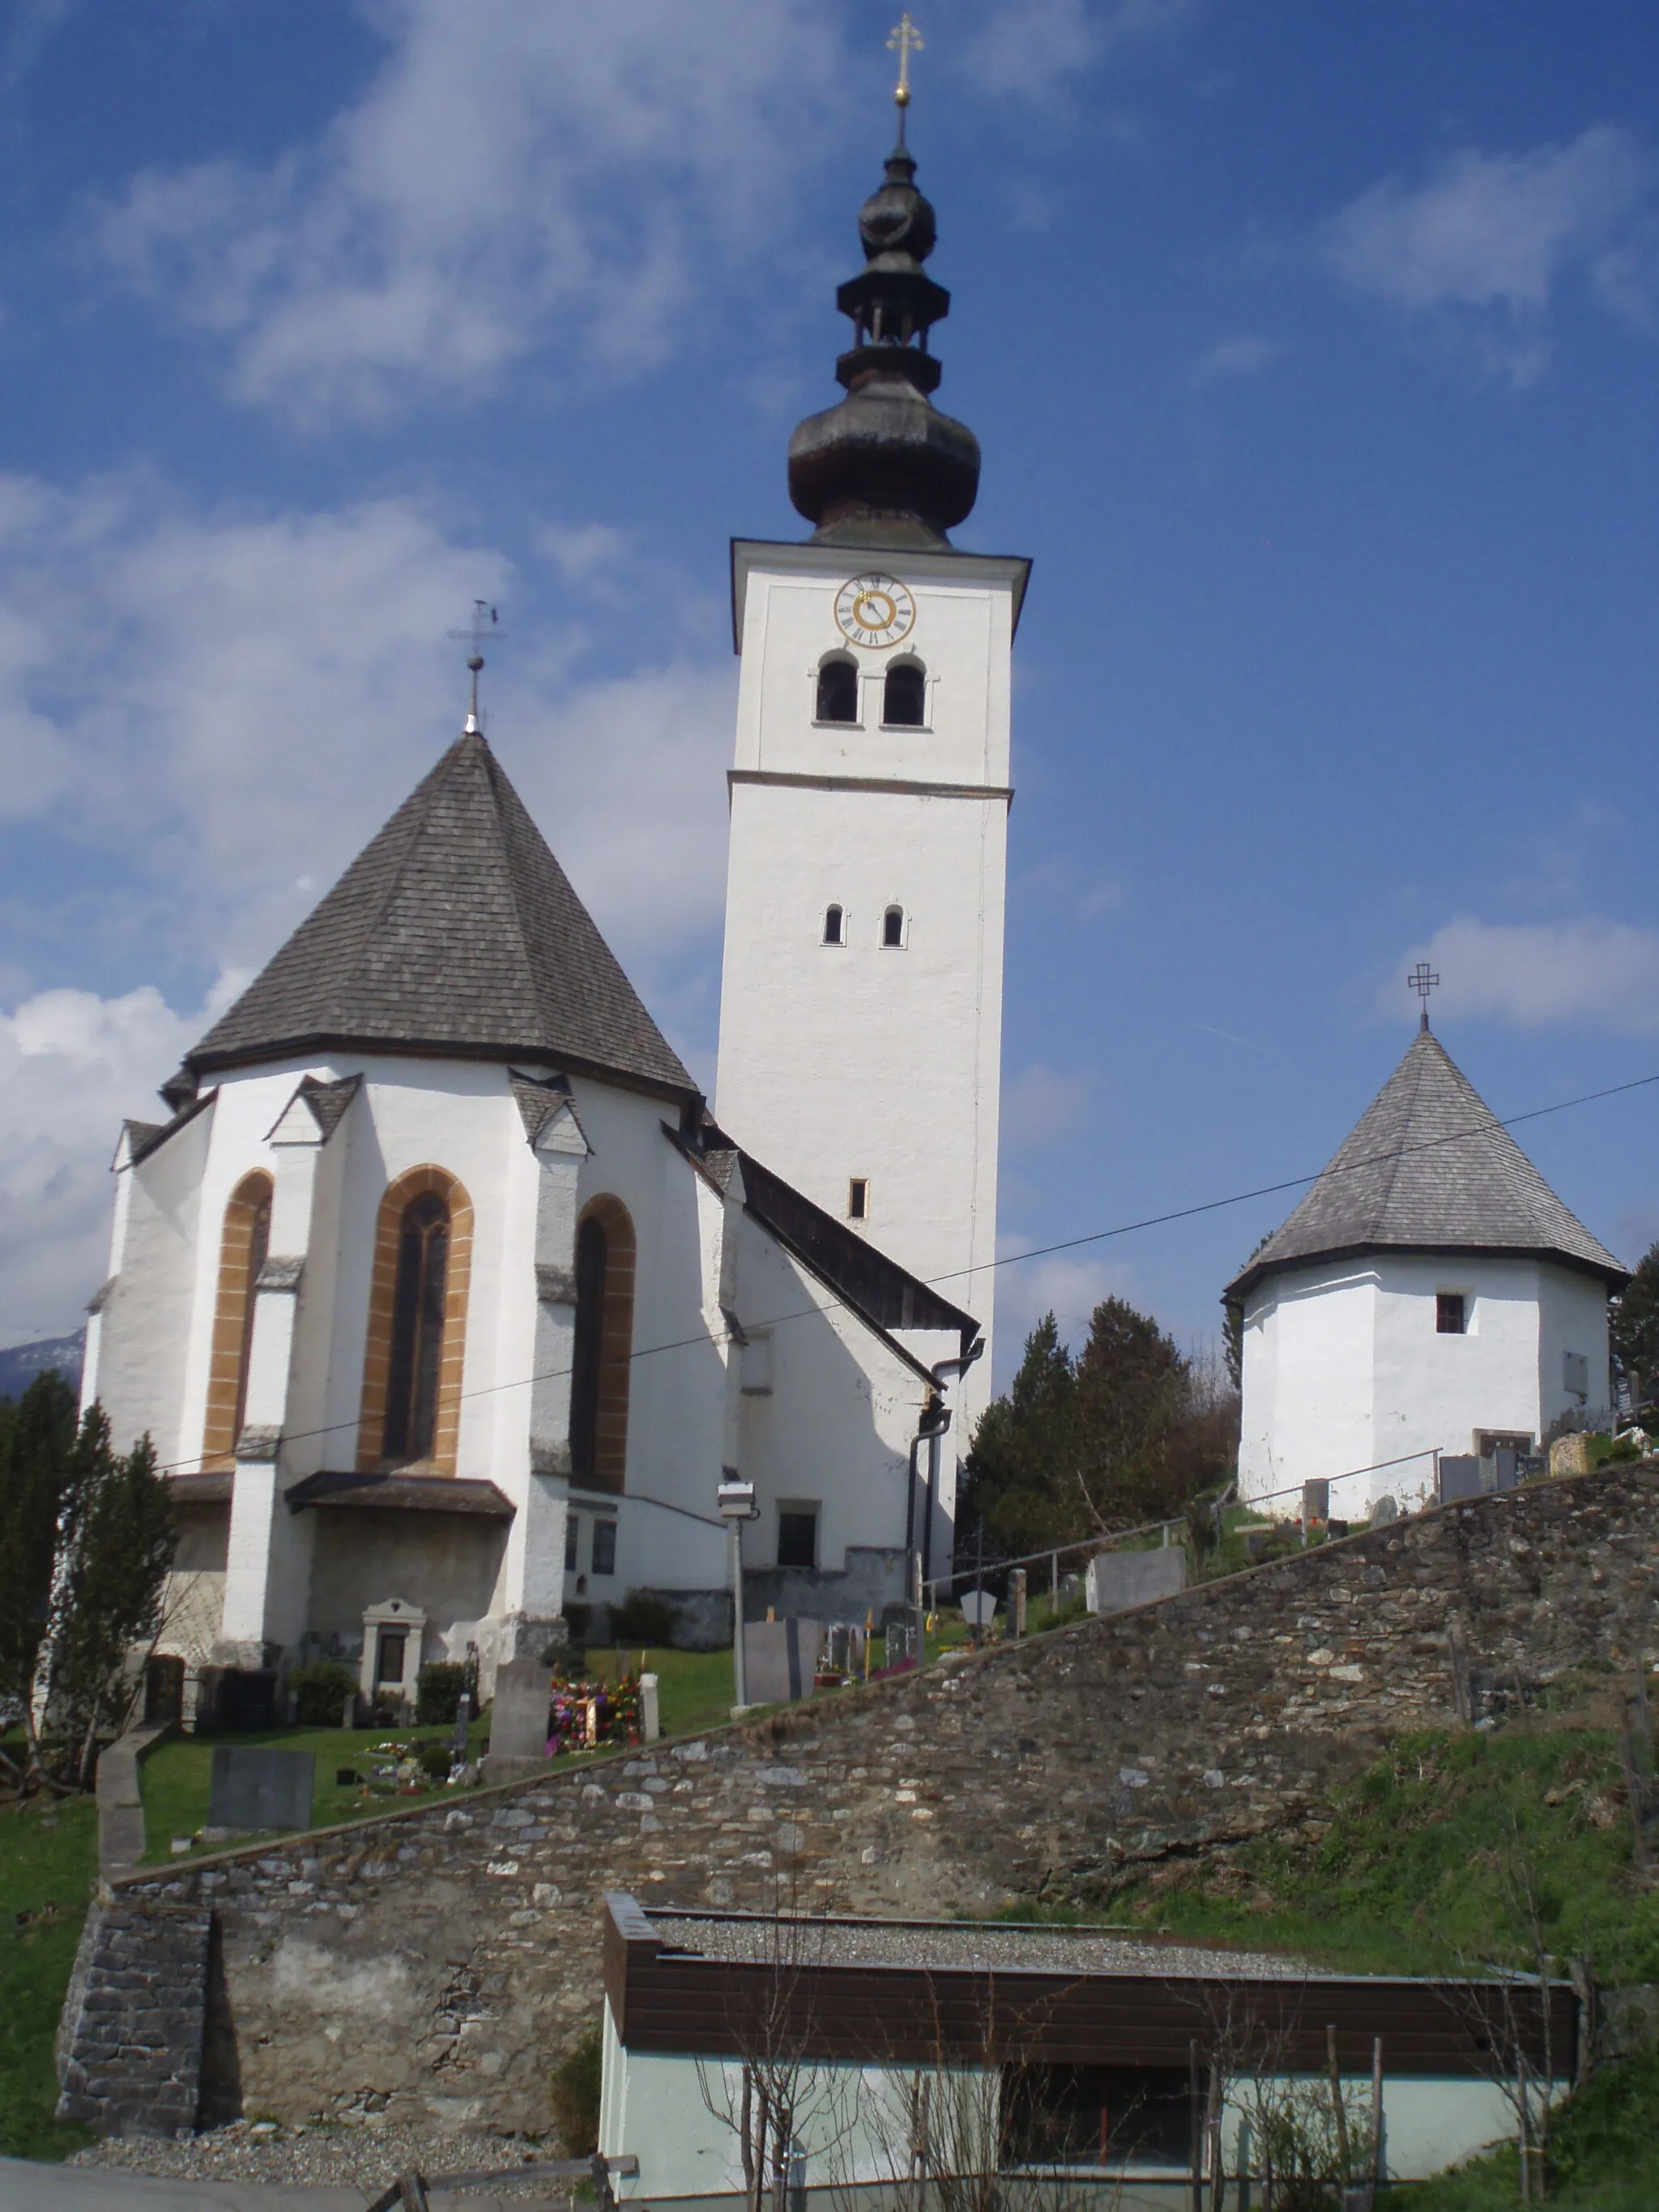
{"x":117,"y":1548}
{"x":1125,"y":1431}
{"x":1634,"y":1327}
{"x":1025,"y":1455}
{"x":37,"y":1445}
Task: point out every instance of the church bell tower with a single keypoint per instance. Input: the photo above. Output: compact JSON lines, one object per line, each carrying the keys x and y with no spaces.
{"x":861,"y":1002}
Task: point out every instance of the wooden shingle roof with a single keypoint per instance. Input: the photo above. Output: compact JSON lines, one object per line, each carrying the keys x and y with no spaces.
{"x":454,"y":931}
{"x":1428,"y":1168}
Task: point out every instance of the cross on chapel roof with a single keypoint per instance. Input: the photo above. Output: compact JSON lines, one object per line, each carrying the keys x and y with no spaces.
{"x":1422,"y":980}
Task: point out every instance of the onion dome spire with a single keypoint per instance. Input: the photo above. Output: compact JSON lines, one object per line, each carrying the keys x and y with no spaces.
{"x":885,"y":467}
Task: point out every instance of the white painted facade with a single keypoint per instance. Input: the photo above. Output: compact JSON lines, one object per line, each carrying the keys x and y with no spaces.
{"x":818,"y":1408}
{"x":856,"y":1059}
{"x":1344,"y":1369}
{"x":671,"y":2112}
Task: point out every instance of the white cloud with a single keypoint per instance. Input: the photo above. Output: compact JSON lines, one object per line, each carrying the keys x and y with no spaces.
{"x":1243,"y":356}
{"x":72,"y":1066}
{"x":230,"y":705}
{"x":1040,"y":1105}
{"x":1538,"y":974}
{"x":1030,"y":49}
{"x":225,"y":708}
{"x":513,"y":176}
{"x":1484,"y":244}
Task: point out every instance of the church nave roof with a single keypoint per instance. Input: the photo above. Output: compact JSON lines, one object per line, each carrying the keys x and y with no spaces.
{"x":454,"y":931}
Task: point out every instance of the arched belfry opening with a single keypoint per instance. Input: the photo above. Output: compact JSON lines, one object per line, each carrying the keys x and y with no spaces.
{"x":838,"y":689}
{"x":904,"y":695}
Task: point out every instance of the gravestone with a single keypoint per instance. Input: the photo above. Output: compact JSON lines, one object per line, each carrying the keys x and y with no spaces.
{"x":1460,"y":1476}
{"x":1117,"y":1580}
{"x":650,"y":1719}
{"x":1017,"y":1601}
{"x":979,"y":1608}
{"x":780,"y":1658}
{"x":254,"y":1787}
{"x":518,"y":1721}
{"x":463,"y":1721}
{"x":902,"y":1635}
{"x":1315,"y":1502}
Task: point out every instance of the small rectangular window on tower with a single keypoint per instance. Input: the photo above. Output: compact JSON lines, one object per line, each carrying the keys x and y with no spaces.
{"x":858,"y":1198}
{"x":1449,"y":1313}
{"x":573,"y":1533}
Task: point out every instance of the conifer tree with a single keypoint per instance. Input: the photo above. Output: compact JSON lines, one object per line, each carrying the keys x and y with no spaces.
{"x":36,"y":1444}
{"x":1634,"y":1327}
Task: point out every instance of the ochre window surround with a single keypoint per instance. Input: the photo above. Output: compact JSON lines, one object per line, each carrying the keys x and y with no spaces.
{"x":243,"y":1245}
{"x":602,"y":1368}
{"x":400,"y":1197}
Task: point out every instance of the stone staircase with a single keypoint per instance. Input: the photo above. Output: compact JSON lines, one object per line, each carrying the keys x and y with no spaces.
{"x":134,"y":2026}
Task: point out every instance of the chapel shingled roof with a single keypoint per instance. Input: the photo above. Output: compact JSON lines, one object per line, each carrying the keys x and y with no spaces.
{"x":1428,"y":1168}
{"x":453,"y":931}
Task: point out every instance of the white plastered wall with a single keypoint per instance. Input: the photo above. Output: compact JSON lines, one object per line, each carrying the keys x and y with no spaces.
{"x":676,"y":2114}
{"x":1344,"y":1369}
{"x":857,"y":1060}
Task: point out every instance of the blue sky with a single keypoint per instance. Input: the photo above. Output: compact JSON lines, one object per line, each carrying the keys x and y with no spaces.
{"x":1313,"y":354}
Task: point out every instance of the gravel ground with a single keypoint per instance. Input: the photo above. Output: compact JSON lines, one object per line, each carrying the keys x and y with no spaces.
{"x":366,"y":2158}
{"x":1007,"y":1945}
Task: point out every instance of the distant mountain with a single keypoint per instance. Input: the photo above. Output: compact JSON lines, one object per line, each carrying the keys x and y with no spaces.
{"x":21,"y":1363}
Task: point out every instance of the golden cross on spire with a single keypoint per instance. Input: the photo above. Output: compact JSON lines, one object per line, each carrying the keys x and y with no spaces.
{"x":905,"y":40}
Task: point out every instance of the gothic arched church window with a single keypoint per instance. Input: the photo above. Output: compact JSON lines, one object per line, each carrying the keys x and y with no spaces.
{"x":416,"y":1339}
{"x":904,"y":695}
{"x":602,"y":1361}
{"x":244,"y":1245}
{"x":417,"y":1329}
{"x":838,"y":689}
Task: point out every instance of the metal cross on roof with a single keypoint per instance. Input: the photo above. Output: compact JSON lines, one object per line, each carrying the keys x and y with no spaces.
{"x":485,"y":623}
{"x":1423,"y":979}
{"x":905,"y":40}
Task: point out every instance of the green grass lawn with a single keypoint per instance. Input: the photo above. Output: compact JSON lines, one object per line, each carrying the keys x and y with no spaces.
{"x":1604,"y":2155}
{"x":48,"y":1862}
{"x":1421,"y":1862}
{"x":694,"y":1691}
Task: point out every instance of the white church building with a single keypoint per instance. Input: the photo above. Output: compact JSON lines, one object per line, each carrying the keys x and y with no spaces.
{"x":1430,"y":1296}
{"x":446,"y":1299}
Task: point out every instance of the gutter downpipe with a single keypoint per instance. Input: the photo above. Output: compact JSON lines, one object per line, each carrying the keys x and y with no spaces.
{"x":957,"y":1367}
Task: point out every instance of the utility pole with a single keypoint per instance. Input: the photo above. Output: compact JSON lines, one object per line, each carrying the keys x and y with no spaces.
{"x":736,"y":1504}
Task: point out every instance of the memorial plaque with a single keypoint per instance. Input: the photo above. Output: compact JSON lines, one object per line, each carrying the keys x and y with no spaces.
{"x":254,"y":1787}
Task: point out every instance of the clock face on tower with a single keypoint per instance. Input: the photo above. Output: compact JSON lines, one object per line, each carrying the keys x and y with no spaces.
{"x":874,"y":609}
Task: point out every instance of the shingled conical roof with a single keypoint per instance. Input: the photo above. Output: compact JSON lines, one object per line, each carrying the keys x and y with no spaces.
{"x":454,"y":931}
{"x":1430,"y":1169}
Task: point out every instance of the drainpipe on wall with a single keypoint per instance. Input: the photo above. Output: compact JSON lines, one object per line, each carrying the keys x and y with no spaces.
{"x":958,"y":1368}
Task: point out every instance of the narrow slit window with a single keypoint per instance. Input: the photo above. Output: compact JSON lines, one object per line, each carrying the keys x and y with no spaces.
{"x":904,"y":695}
{"x":1449,"y":1318}
{"x":835,"y":925}
{"x":892,"y":929}
{"x":604,"y":1548}
{"x":858,"y":1198}
{"x":838,"y":691}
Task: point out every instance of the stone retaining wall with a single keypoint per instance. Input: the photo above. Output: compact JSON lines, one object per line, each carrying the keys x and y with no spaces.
{"x":437,"y":1963}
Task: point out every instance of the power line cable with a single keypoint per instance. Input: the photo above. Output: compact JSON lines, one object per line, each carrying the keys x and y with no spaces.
{"x":1037,"y":1252}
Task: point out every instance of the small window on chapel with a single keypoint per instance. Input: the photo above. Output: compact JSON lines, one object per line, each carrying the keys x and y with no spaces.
{"x":838,"y":691}
{"x":858,"y":1198}
{"x":892,"y":929}
{"x":1449,"y":1317}
{"x":835,"y":925}
{"x":904,"y":695}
